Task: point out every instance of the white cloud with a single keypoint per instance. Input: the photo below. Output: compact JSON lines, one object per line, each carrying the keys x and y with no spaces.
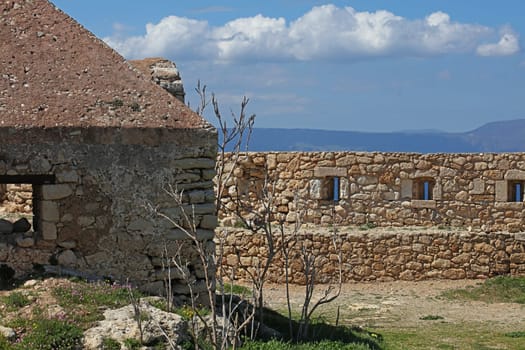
{"x":324,"y":33}
{"x":507,"y":45}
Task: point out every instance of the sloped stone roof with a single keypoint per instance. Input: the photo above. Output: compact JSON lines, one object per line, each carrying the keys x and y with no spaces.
{"x":55,"y":73}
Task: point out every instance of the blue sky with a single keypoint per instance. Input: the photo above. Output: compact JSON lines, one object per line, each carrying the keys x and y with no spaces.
{"x":342,"y":65}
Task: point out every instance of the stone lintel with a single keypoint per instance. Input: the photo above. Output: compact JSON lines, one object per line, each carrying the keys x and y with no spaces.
{"x":515,"y":175}
{"x":329,"y":171}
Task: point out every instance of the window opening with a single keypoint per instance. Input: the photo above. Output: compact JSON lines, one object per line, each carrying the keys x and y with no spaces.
{"x":336,"y":189}
{"x":20,"y":198}
{"x":423,"y":189}
{"x":516,"y":189}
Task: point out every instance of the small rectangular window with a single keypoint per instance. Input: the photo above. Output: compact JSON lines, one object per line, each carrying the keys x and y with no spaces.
{"x":336,"y":189}
{"x":516,"y":189}
{"x":423,"y":189}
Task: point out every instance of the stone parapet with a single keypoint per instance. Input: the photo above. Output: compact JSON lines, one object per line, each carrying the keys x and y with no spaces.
{"x":482,"y":191}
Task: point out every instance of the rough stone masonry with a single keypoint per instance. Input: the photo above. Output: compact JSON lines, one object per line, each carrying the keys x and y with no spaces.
{"x":437,"y":215}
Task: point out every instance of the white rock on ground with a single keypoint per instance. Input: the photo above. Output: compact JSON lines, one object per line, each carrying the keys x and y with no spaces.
{"x":120,"y":324}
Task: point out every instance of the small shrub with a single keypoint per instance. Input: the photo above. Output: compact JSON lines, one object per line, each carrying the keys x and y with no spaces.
{"x":240,"y":224}
{"x":367,"y":226}
{"x":110,"y":344}
{"x":132,"y":344}
{"x":515,"y":335}
{"x":116,"y":103}
{"x":431,"y":318}
{"x":135,"y":107}
{"x":187,"y":312}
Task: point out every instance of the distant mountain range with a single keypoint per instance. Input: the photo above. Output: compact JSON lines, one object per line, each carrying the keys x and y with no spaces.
{"x":502,"y":136}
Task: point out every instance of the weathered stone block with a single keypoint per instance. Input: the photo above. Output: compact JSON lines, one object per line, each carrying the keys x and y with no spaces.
{"x":501,"y":191}
{"x":49,"y":231}
{"x":406,"y":188}
{"x":330,"y":171}
{"x":515,"y":175}
{"x":49,"y":211}
{"x":54,"y":192}
{"x":478,"y":186}
{"x":417,"y":203}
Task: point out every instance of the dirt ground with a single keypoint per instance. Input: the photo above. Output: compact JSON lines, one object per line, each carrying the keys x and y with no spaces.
{"x":401,"y":304}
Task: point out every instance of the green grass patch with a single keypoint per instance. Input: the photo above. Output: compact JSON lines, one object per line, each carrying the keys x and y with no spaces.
{"x":236,"y":289}
{"x":15,"y":301}
{"x":515,"y":334}
{"x":325,"y":345}
{"x":444,"y":336}
{"x":110,"y":344}
{"x":321,"y":331}
{"x":501,"y":289}
{"x":44,"y":334}
{"x":83,"y":302}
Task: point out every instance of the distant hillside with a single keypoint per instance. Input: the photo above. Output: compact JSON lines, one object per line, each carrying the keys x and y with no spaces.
{"x":504,"y":136}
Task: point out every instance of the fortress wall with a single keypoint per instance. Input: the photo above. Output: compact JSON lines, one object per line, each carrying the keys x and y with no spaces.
{"x":477,"y":191}
{"x":380,"y":254}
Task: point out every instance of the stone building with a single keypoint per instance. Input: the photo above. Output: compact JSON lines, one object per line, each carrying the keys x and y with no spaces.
{"x":97,"y":143}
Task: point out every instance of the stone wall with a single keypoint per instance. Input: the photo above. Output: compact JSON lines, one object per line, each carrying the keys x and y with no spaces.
{"x":91,"y":192}
{"x":381,"y":254}
{"x":386,"y":189}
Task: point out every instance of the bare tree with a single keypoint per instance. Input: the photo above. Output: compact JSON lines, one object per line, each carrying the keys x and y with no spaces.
{"x":233,"y":139}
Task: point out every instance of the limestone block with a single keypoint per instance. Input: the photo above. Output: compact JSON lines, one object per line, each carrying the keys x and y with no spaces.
{"x":406,"y":188}
{"x":515,"y":175}
{"x":501,"y":191}
{"x":454,"y":274}
{"x":25,"y":242}
{"x":447,"y":172}
{"x":462,"y":196}
{"x":49,"y":231}
{"x":478,"y":187}
{"x":367,"y":180}
{"x":417,"y":203}
{"x":315,"y":189}
{"x":194,"y":163}
{"x":54,"y":192}
{"x":40,"y":165}
{"x":141,"y":225}
{"x":208,"y":222}
{"x":426,"y":173}
{"x":70,"y":176}
{"x":49,"y":211}
{"x":85,"y":221}
{"x":437,"y":192}
{"x":344,"y":188}
{"x":330,"y":171}
{"x":441,"y":264}
{"x":67,"y":258}
{"x":67,"y":244}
